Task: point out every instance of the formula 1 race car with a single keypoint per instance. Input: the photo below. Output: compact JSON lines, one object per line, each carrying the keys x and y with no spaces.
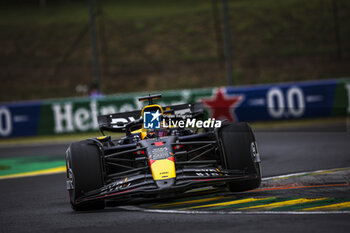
{"x":160,"y":157}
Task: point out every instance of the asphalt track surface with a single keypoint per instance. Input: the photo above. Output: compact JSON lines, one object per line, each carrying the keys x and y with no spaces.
{"x":40,"y":203}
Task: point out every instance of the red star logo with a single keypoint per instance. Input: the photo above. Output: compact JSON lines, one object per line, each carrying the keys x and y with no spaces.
{"x":222,"y":106}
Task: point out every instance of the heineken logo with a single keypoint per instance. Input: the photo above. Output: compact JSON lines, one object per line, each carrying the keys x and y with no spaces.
{"x":74,"y":116}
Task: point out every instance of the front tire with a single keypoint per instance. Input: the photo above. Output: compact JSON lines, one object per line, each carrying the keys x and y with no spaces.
{"x":240,"y":152}
{"x":84,"y":172}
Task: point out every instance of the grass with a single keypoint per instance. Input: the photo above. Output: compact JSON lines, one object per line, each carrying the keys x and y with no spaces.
{"x":158,"y":45}
{"x":76,"y":12}
{"x":51,"y":139}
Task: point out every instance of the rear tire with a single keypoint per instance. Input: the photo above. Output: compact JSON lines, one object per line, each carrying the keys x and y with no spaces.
{"x":84,"y":170}
{"x":240,"y":153}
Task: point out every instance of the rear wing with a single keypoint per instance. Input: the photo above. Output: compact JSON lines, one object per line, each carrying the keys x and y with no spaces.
{"x":116,"y":122}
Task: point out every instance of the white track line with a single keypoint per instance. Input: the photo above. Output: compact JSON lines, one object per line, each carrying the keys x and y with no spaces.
{"x":304,"y":173}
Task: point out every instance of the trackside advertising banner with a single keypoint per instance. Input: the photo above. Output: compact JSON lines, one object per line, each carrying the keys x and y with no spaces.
{"x":245,"y":103}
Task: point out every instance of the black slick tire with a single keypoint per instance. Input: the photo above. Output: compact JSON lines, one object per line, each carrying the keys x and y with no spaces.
{"x":84,"y":171}
{"x":239,"y":152}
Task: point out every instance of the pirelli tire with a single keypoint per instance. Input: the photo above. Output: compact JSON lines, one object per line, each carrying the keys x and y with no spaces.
{"x":240,"y":152}
{"x":84,"y":173}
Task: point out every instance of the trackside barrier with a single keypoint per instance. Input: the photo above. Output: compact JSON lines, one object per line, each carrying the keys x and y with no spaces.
{"x":244,"y":103}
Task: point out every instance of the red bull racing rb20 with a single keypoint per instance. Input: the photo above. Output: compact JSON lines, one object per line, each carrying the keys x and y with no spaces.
{"x":160,"y":156}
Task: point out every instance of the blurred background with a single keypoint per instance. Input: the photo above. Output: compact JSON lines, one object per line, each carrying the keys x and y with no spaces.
{"x":63,"y":48}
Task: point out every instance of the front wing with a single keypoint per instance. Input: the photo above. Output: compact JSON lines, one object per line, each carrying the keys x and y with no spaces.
{"x":144,"y":186}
